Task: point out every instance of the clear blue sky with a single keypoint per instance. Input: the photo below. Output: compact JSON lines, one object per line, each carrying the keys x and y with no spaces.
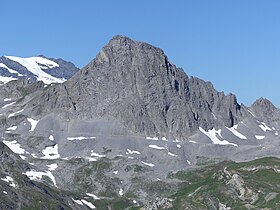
{"x":233,"y":44}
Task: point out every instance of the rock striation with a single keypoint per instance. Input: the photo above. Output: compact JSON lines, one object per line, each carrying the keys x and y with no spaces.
{"x":135,"y":83}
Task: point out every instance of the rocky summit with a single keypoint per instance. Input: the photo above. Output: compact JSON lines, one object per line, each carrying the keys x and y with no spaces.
{"x":130,"y":130}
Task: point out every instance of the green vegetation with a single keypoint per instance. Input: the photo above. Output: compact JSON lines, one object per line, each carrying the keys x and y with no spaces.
{"x":248,"y":185}
{"x":120,"y":203}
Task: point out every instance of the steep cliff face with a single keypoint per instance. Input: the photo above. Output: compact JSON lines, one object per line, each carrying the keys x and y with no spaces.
{"x":135,"y":84}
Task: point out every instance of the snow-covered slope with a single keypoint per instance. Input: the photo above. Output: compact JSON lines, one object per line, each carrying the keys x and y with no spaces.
{"x":37,"y":68}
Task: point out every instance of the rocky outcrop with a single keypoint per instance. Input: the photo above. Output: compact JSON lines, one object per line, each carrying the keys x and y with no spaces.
{"x":159,"y":203}
{"x":265,"y":110}
{"x":65,"y":70}
{"x":135,"y":84}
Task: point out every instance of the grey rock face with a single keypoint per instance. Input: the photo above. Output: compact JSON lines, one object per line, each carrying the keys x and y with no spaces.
{"x":265,"y":110}
{"x":65,"y":70}
{"x":163,"y":203}
{"x":134,"y":83}
{"x":20,"y":88}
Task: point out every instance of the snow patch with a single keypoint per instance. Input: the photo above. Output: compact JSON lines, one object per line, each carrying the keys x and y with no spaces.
{"x":80,"y":138}
{"x":48,"y":64}
{"x":15,"y":113}
{"x":178,"y":146}
{"x":35,"y":66}
{"x":33,"y":124}
{"x":5,"y":80}
{"x":164,"y":139}
{"x":148,"y":164}
{"x":7,"y":99}
{"x":51,"y":152}
{"x":34,"y":155}
{"x":52,"y":166}
{"x":171,"y":154}
{"x":251,"y":113}
{"x":7,"y":105}
{"x":259,"y":137}
{"x":12,"y":71}
{"x":94,"y":154}
{"x":78,"y":202}
{"x":264,"y":127}
{"x":115,"y":172}
{"x":243,"y":123}
{"x":236,"y":133}
{"x":35,"y":175}
{"x":212,"y":134}
{"x":89,"y":204}
{"x":91,"y":159}
{"x":121,"y":192}
{"x":156,"y":147}
{"x":14,"y":146}
{"x":51,"y":138}
{"x":10,"y":180}
{"x":93,"y":196}
{"x":22,"y":157}
{"x":13,"y":128}
{"x":152,"y":138}
{"x":214,"y":116}
{"x":131,"y":152}
{"x":194,"y":142}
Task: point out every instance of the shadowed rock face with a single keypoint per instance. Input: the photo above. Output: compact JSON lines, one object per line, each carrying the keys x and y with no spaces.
{"x":135,"y":84}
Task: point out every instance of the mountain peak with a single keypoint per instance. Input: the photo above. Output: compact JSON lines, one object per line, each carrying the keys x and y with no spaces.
{"x":122,"y":50}
{"x":41,"y":56}
{"x":264,"y":103}
{"x":263,"y":108}
{"x":121,"y":38}
{"x":134,"y":84}
{"x":120,"y":41}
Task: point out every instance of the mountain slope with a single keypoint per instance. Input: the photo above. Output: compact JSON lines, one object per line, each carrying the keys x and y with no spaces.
{"x":135,"y":84}
{"x":229,"y":185}
{"x":19,"y":192}
{"x":35,"y":68}
{"x":113,"y":132}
